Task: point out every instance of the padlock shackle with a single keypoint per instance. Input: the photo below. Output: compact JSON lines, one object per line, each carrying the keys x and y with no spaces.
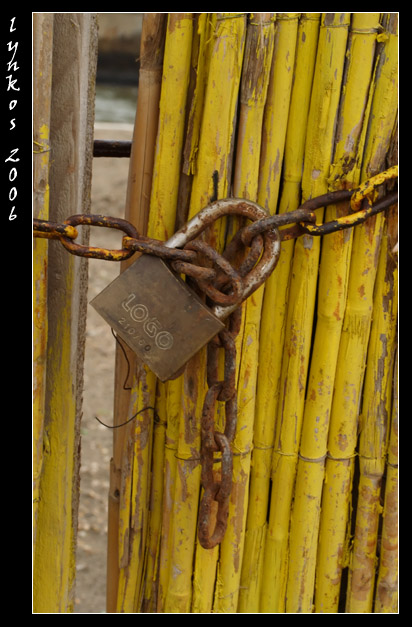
{"x":209,"y":214}
{"x":233,"y":206}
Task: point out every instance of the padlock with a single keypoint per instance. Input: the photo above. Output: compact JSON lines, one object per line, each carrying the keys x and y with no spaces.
{"x":157,"y":314}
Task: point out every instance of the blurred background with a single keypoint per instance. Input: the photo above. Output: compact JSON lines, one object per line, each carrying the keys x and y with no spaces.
{"x":118,"y":67}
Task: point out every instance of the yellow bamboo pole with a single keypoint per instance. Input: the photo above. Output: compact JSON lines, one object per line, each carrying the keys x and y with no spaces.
{"x":318,"y":148}
{"x":273,"y":142}
{"x":277,"y":110}
{"x":168,"y":157}
{"x":386,"y":600}
{"x":206,"y":23}
{"x":333,"y":275}
{"x":134,"y":494}
{"x":185,"y":499}
{"x":220,"y":103}
{"x":202,"y":43}
{"x":374,"y":426}
{"x":271,"y":333}
{"x":134,"y":518}
{"x":214,"y":154}
{"x":164,"y":209}
{"x":254,"y":87}
{"x":42,"y":71}
{"x":173,"y":403}
{"x":352,"y":351}
{"x":137,"y":211}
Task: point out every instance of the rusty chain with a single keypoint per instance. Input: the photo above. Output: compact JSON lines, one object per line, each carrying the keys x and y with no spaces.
{"x":213,"y":441}
{"x":303,"y":220}
{"x":221,"y":284}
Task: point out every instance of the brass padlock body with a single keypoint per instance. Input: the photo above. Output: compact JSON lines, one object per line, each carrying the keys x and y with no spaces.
{"x":153,"y":310}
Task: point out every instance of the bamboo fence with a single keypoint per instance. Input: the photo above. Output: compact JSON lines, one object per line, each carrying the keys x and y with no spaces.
{"x":277,"y":108}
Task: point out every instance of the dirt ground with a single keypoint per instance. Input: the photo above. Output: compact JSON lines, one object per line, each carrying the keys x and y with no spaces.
{"x":108,"y":198}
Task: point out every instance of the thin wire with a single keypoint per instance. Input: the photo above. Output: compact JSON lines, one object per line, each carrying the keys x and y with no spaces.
{"x":116,"y":337}
{"x":156,"y":415}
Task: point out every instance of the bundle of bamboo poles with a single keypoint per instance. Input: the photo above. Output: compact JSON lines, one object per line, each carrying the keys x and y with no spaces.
{"x":276,"y":108}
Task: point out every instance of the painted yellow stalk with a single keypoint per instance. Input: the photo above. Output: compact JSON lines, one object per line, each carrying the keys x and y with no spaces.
{"x":374,"y":428}
{"x":277,"y":115}
{"x":162,"y":218}
{"x":173,"y":402}
{"x":152,"y":546}
{"x":342,"y":437}
{"x":178,"y":594}
{"x":42,"y":68}
{"x":332,"y":290}
{"x":200,"y":59}
{"x":318,"y":148}
{"x":254,"y":87}
{"x":272,"y":325}
{"x":255,"y":79}
{"x":201,"y":53}
{"x":168,"y":156}
{"x":273,"y":142}
{"x":215,"y":150}
{"x":168,"y":159}
{"x":206,"y":23}
{"x":214,"y":154}
{"x":386,"y":600}
{"x":54,"y":574}
{"x":134,"y":496}
{"x":137,"y":211}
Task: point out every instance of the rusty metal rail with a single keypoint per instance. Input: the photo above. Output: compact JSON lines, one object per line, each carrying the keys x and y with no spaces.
{"x":111,"y":148}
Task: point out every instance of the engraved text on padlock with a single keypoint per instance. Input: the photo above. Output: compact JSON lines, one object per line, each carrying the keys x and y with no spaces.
{"x":157,"y":315}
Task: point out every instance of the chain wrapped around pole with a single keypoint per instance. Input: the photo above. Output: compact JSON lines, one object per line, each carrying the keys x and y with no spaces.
{"x":224,"y":285}
{"x":303,"y":220}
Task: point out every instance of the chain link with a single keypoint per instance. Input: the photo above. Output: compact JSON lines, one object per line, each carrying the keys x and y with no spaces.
{"x":212,"y":441}
{"x":222,"y":284}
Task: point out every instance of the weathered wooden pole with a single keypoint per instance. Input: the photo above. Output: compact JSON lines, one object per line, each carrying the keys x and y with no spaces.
{"x":70,"y":142}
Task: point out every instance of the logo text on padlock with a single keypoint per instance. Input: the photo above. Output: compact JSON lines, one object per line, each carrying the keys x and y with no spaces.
{"x":157,"y":315}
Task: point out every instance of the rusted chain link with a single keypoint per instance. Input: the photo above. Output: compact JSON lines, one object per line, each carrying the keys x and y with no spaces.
{"x":217,"y":488}
{"x":92,"y":251}
{"x":53,"y":230}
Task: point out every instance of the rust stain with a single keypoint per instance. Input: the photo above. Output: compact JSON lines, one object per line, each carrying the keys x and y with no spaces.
{"x":342,"y":441}
{"x":336,"y":312}
{"x":361,"y":290}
